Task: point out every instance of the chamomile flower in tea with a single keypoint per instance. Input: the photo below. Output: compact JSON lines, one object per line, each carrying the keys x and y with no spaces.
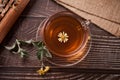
{"x":63,"y":37}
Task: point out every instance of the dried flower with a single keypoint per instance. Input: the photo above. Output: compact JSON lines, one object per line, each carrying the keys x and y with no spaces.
{"x":42,"y":71}
{"x":46,"y":68}
{"x":63,"y":37}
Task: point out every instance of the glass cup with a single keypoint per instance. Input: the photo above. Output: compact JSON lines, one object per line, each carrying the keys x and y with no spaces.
{"x":66,"y":36}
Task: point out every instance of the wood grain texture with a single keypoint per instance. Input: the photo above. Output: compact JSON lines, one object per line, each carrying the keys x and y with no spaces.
{"x":30,"y":74}
{"x":102,"y":62}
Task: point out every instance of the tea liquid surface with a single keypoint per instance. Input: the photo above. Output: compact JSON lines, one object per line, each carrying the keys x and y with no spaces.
{"x":68,"y":25}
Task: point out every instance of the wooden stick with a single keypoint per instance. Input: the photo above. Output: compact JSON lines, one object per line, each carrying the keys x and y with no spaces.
{"x":10,"y":18}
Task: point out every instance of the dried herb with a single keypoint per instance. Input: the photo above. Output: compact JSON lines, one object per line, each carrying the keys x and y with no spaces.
{"x":16,"y":49}
{"x":42,"y":52}
{"x":63,"y":37}
{"x":41,"y":48}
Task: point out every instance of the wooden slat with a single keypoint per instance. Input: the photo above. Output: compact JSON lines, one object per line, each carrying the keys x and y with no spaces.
{"x":30,"y":74}
{"x":104,"y":50}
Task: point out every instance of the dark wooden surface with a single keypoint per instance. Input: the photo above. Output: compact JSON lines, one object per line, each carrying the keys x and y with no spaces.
{"x":102,"y":62}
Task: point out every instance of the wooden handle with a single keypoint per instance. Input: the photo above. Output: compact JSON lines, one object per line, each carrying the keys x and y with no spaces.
{"x":10,"y":18}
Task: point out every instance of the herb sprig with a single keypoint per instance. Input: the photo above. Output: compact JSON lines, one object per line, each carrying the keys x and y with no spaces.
{"x":42,"y":52}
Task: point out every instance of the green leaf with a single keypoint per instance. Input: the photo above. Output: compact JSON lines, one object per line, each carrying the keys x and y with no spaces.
{"x":42,"y":50}
{"x":10,"y":47}
{"x":17,"y":41}
{"x":48,"y":54}
{"x":23,"y":54}
{"x":40,"y":54}
{"x":26,"y":42}
{"x":38,"y":44}
{"x":14,"y":48}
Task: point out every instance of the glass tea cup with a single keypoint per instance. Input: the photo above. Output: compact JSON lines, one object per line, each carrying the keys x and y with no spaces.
{"x":66,"y":36}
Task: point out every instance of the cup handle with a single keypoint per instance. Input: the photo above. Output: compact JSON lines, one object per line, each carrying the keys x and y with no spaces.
{"x":85,"y":24}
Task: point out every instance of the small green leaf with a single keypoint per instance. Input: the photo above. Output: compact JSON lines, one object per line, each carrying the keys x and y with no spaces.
{"x":48,"y":54}
{"x":17,"y":41}
{"x":23,"y":54}
{"x":29,"y":41}
{"x":38,"y":44}
{"x":40,"y":54}
{"x":10,"y":47}
{"x":14,"y":48}
{"x":26,"y":42}
{"x":19,"y":50}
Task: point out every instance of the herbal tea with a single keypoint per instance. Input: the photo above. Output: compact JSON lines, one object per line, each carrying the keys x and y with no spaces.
{"x":67,"y":37}
{"x":63,"y":35}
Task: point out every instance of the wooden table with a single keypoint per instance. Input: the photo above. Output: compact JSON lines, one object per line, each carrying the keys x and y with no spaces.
{"x":102,"y":62}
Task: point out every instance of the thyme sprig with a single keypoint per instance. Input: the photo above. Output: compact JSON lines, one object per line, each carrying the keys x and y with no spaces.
{"x":42,"y":52}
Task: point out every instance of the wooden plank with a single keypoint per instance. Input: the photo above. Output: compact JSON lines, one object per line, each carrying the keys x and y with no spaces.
{"x":29,"y":73}
{"x":103,"y":54}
